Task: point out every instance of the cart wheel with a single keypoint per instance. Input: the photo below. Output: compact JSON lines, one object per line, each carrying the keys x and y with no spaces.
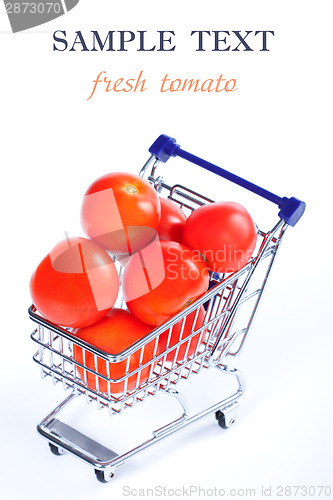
{"x":104,"y":476}
{"x":55,"y":450}
{"x":224,"y":422}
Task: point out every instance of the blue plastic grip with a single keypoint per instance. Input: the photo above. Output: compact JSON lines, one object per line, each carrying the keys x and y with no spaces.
{"x":164,"y":147}
{"x":291,"y":209}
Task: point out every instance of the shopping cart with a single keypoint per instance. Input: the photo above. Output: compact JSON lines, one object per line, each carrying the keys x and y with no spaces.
{"x":230,"y":305}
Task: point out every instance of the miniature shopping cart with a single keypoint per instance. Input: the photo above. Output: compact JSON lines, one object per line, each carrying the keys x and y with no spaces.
{"x":230,"y":305}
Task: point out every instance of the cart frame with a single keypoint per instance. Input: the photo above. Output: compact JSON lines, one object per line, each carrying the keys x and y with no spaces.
{"x":221,"y":334}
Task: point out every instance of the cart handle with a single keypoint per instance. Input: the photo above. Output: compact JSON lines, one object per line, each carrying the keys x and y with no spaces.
{"x":291,"y":209}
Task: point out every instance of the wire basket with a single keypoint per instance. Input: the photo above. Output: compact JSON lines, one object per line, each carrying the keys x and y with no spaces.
{"x":210,"y":329}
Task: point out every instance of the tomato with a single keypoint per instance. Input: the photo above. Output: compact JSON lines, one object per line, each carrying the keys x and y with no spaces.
{"x":118,"y":330}
{"x":162,"y":279}
{"x":224,"y":234}
{"x":172,"y":221}
{"x":187,"y":347}
{"x":76,"y":284}
{"x":121,"y":212}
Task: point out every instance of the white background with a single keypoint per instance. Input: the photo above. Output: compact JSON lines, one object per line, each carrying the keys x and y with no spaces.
{"x":275,"y":130}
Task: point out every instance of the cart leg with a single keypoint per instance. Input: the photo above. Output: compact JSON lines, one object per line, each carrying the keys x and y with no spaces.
{"x":226,"y":415}
{"x":55,"y":450}
{"x":105,"y":475}
{"x":62,"y":437}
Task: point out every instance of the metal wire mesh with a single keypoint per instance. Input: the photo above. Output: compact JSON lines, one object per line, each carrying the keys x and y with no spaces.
{"x":201,"y":335}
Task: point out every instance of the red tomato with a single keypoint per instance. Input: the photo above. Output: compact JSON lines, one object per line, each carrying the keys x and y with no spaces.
{"x":189,"y":327}
{"x":121,"y":212}
{"x":118,"y":330}
{"x":76,"y":284}
{"x":224,"y":234}
{"x":162,"y":279}
{"x":172,"y":221}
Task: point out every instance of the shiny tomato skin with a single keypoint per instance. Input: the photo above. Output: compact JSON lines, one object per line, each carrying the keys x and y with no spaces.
{"x":121,"y":212}
{"x":224,"y":234}
{"x":172,"y":221}
{"x":175,"y":336}
{"x":114,"y":333}
{"x":162,"y":279}
{"x":76,"y":284}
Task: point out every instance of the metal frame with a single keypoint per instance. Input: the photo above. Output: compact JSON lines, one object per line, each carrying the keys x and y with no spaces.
{"x":219,"y":336}
{"x":105,"y":461}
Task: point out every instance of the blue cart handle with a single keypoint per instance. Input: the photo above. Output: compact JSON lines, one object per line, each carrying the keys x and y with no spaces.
{"x":291,"y":209}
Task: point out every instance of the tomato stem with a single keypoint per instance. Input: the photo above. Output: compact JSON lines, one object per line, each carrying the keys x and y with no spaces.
{"x":131,"y":189}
